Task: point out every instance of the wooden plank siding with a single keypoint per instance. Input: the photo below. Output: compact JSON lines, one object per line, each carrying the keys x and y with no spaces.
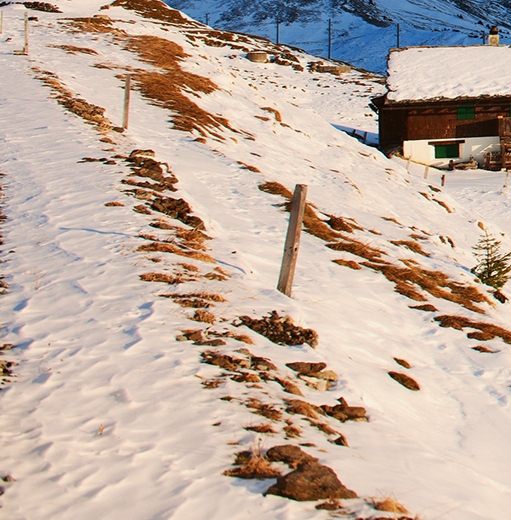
{"x":402,"y":121}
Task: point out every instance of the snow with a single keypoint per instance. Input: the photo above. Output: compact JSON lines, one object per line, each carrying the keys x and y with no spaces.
{"x":106,"y":416}
{"x":426,"y":73}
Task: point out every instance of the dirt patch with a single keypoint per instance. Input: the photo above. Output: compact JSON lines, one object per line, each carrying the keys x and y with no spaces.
{"x":280,"y":330}
{"x":406,"y":381}
{"x":488,"y":331}
{"x":36,"y":6}
{"x":155,"y":10}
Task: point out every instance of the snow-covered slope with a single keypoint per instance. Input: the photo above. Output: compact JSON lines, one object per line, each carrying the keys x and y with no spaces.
{"x":140,"y":265}
{"x":362,"y":30}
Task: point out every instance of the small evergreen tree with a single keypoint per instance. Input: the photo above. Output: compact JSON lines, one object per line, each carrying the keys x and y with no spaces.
{"x":493,"y":268}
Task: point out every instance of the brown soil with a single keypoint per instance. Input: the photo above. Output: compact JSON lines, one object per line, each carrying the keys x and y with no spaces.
{"x":289,"y":454}
{"x":488,"y":330}
{"x":280,"y":330}
{"x":405,"y":380}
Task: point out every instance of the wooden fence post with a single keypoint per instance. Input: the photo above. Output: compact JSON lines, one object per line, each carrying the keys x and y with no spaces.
{"x":505,"y":182}
{"x":127,"y":95}
{"x":25,"y":48}
{"x":426,"y":172}
{"x":1,"y":22}
{"x":292,"y":243}
{"x":443,"y":179}
{"x":408,"y":164}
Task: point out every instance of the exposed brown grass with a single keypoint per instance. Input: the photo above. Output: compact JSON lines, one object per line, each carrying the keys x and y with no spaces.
{"x":92,"y":114}
{"x":406,"y":381}
{"x":155,"y":10}
{"x":389,"y":504}
{"x":392,"y":219}
{"x":113,"y":203}
{"x":266,"y":410}
{"x":292,"y":431}
{"x":249,"y":167}
{"x":443,"y":204}
{"x":323,"y":427}
{"x":203,"y":316}
{"x":343,"y":224}
{"x":217,"y":274}
{"x":488,"y":330}
{"x":276,"y":113}
{"x":94,"y":24}
{"x":436,"y":283}
{"x":164,"y":247}
{"x":427,"y":307}
{"x":347,"y":263}
{"x":73,"y":49}
{"x":165,"y":88}
{"x":257,"y":466}
{"x":411,"y":245}
{"x":261,"y":428}
{"x":160,"y":277}
{"x":483,"y":349}
{"x":358,"y":248}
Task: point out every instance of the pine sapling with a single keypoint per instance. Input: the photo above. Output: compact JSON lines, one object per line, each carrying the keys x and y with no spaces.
{"x":493,"y":268}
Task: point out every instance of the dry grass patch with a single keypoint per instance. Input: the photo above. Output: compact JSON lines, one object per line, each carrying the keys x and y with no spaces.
{"x":402,"y":362}
{"x":488,"y":331}
{"x":160,"y":277}
{"x":435,"y":283}
{"x":292,"y":431}
{"x":266,"y":428}
{"x":155,"y":10}
{"x":73,"y":49}
{"x":255,"y":465}
{"x":343,"y":224}
{"x":276,"y":113}
{"x":165,"y":89}
{"x":426,"y":307}
{"x":411,"y":245}
{"x":392,"y":219}
{"x":203,"y":316}
{"x":92,"y":25}
{"x":266,"y":410}
{"x":357,"y":248}
{"x":249,"y":167}
{"x":165,"y":247}
{"x":348,"y":263}
{"x":443,"y":204}
{"x":388,"y":504}
{"x":92,"y":114}
{"x":114,"y":203}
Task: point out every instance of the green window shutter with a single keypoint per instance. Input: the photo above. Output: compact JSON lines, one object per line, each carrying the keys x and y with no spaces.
{"x":466,"y":112}
{"x":447,"y":151}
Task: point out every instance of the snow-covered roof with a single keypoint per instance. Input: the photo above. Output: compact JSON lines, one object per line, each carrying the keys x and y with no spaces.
{"x":427,"y":73}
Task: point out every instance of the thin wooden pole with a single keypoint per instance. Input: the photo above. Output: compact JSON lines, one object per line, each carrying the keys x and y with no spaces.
{"x":25,"y":48}
{"x":1,"y":22}
{"x":408,"y":164}
{"x":505,"y":182}
{"x":398,"y":35}
{"x":426,"y":172}
{"x":292,"y":243}
{"x":443,"y":179}
{"x":329,"y":38}
{"x":127,"y":96}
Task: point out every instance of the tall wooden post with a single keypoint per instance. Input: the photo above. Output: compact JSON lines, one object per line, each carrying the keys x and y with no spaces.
{"x":1,"y":22}
{"x":426,"y":172}
{"x":292,"y":243}
{"x":398,"y":35}
{"x":127,"y":95}
{"x":277,"y":29}
{"x":443,"y":180}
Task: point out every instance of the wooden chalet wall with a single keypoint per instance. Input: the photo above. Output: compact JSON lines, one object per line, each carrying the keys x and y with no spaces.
{"x":402,"y":121}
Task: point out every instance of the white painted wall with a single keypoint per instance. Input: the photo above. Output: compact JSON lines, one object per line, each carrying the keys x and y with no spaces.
{"x":422,"y":152}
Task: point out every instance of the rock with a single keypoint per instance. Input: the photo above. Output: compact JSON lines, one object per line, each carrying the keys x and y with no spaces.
{"x":291,"y":455}
{"x":341,"y":441}
{"x":300,"y":407}
{"x":306,"y":369}
{"x":405,"y":380}
{"x":310,"y":481}
{"x":317,"y":384}
{"x":288,"y":386}
{"x":327,"y":375}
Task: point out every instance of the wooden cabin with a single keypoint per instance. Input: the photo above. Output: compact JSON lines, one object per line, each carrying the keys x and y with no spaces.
{"x":446,"y":105}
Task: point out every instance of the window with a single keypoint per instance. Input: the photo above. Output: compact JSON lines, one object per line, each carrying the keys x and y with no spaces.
{"x":447,"y":151}
{"x":466,"y":112}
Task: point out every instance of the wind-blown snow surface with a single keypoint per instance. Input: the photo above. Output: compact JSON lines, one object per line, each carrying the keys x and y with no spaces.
{"x":107,"y":416}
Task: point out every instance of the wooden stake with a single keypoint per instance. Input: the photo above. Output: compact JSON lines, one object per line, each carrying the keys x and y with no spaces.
{"x":408,"y":164}
{"x":127,"y":96}
{"x":292,"y":243}
{"x":426,"y":172}
{"x":505,"y":182}
{"x":443,"y":179}
{"x":25,"y":48}
{"x":1,"y":22}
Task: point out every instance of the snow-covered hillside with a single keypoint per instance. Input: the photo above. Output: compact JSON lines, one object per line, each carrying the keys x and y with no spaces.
{"x":362,"y":30}
{"x":147,"y":357}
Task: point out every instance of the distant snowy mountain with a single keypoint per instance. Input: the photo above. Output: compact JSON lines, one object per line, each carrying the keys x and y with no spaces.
{"x":362,"y":30}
